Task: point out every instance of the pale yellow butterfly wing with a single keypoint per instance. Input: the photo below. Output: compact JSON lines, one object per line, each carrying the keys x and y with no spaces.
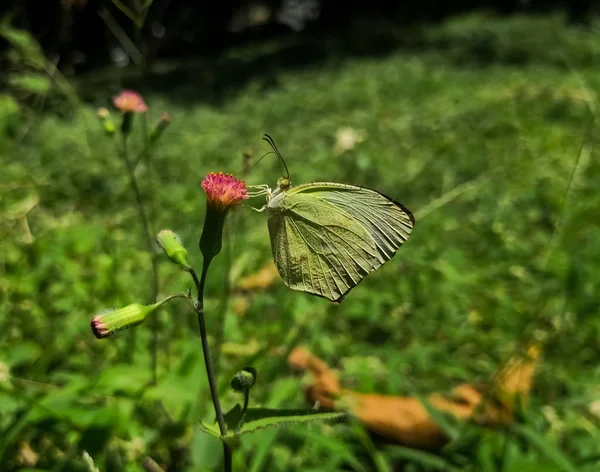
{"x":327,"y":237}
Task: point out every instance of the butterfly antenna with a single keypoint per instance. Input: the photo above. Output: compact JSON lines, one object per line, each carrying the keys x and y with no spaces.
{"x":271,"y":142}
{"x":257,"y":161}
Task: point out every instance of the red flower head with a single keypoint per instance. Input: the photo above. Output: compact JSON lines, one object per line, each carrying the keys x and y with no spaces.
{"x":224,"y":190}
{"x":130,"y":101}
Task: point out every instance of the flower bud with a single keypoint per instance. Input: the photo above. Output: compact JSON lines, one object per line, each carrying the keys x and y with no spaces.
{"x":109,"y":127}
{"x":165,"y":121}
{"x":103,"y":113}
{"x":244,"y":380}
{"x":109,"y":322}
{"x":170,"y":243}
{"x":107,"y":121}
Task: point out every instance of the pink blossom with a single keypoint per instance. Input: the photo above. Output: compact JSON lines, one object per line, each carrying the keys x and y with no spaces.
{"x":224,"y":190}
{"x":99,"y":329}
{"x":130,"y":101}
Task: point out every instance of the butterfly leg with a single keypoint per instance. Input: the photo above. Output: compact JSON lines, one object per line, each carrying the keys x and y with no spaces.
{"x":258,"y":190}
{"x":261,"y":209}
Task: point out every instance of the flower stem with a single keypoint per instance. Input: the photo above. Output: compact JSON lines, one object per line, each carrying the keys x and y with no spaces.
{"x":227,"y":452}
{"x":150,"y":247}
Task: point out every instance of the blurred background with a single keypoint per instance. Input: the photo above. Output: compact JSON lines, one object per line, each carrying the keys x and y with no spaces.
{"x":480,"y":117}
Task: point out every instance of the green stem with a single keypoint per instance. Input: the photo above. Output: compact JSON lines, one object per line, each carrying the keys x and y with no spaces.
{"x":227,"y":458}
{"x":143,"y":153}
{"x":150,"y":247}
{"x":224,"y":305}
{"x":227,"y":452}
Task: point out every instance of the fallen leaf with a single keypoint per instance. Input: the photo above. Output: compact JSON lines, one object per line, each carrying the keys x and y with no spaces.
{"x":27,"y":456}
{"x":406,"y":420}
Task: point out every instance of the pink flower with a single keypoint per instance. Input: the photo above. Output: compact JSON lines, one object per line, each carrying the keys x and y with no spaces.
{"x":99,"y":328}
{"x":130,"y":101}
{"x":224,"y":190}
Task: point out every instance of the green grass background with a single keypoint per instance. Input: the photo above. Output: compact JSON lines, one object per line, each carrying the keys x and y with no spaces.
{"x":485,"y":128}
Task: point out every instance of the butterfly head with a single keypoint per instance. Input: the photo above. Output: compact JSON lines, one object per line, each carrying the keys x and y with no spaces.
{"x":283,"y":183}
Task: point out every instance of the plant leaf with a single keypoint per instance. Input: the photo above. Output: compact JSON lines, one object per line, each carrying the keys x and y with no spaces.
{"x":260,"y":418}
{"x":547,"y":448}
{"x":30,"y":82}
{"x":423,"y":458}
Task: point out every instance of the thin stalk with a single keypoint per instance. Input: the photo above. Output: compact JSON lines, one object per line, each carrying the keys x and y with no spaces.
{"x":227,"y":452}
{"x":150,"y":187}
{"x":227,"y":458}
{"x":224,"y":305}
{"x":149,"y":244}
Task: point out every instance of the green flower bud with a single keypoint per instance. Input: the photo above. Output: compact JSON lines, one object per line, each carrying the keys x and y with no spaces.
{"x":170,"y":243}
{"x":109,"y":127}
{"x":165,"y":121}
{"x":107,"y":121}
{"x":109,"y":322}
{"x":244,"y":380}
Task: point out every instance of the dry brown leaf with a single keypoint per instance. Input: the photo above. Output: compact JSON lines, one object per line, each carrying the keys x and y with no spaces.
{"x":405,"y":420}
{"x":27,"y":456}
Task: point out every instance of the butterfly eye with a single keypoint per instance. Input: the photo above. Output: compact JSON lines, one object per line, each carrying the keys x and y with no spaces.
{"x":283,"y":183}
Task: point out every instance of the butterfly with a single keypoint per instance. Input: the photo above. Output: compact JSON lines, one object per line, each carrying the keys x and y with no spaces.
{"x":327,"y":237}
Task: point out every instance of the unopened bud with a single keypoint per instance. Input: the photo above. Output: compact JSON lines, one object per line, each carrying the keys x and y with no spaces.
{"x":170,"y":243}
{"x":103,"y":113}
{"x":107,"y":121}
{"x":109,"y":127}
{"x":109,"y":322}
{"x":244,"y":380}
{"x":165,"y":121}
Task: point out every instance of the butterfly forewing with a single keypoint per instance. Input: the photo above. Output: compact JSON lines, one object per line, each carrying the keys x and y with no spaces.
{"x":327,"y":237}
{"x":387,"y":221}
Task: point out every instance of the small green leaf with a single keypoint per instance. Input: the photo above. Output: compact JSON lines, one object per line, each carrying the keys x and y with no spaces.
{"x":30,"y":50}
{"x":29,"y":82}
{"x":260,"y":418}
{"x":212,"y":429}
{"x":423,"y":458}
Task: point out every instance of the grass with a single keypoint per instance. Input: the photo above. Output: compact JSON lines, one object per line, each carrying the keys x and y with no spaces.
{"x":485,"y":132}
